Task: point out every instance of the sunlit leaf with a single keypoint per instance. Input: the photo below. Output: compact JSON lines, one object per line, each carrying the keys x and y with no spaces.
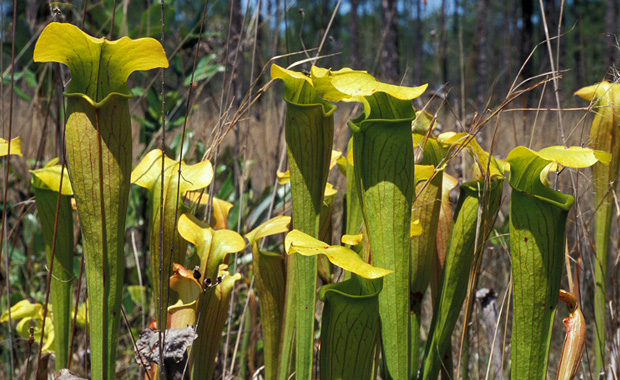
{"x":449,"y":139}
{"x":416,"y":228}
{"x":212,"y":246}
{"x":28,"y":314}
{"x":48,"y":177}
{"x":574,"y":156}
{"x":193,"y":177}
{"x":113,"y":61}
{"x":353,"y":85}
{"x":352,"y":239}
{"x":277,"y":225}
{"x":16,"y":147}
{"x":220,"y":208}
{"x":283,"y":177}
{"x":304,"y":244}
{"x":604,"y":91}
{"x":23,"y":309}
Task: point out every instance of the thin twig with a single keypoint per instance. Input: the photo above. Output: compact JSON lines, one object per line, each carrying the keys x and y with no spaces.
{"x":162,"y":305}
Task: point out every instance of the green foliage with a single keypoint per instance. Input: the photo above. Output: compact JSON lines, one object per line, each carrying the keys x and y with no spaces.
{"x":398,"y":225}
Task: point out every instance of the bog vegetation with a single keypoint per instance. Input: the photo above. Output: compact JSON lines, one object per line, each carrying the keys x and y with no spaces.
{"x":183,"y":210}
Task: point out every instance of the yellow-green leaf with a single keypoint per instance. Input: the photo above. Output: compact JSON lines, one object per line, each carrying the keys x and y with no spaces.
{"x":423,"y":122}
{"x":182,"y":315}
{"x":220,"y":211}
{"x":352,"y":240}
{"x":278,"y":72}
{"x":283,"y":177}
{"x":48,"y":177}
{"x":304,"y":244}
{"x":298,"y":88}
{"x":449,"y":139}
{"x":352,"y":85}
{"x":424,"y":172}
{"x":278,"y":225}
{"x":114,"y":61}
{"x":601,"y":91}
{"x":23,"y":309}
{"x":416,"y":229}
{"x":184,"y":283}
{"x":16,"y":147}
{"x":193,"y":177}
{"x":28,"y":314}
{"x":212,"y":246}
{"x":574,"y":156}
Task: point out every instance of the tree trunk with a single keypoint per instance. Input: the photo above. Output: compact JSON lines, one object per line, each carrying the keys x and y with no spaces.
{"x":419,"y":44}
{"x":481,"y":50}
{"x":611,"y":26}
{"x":389,"y":53}
{"x":578,"y":55}
{"x":443,"y":42}
{"x":355,"y":39}
{"x":235,"y":51}
{"x":525,"y":43}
